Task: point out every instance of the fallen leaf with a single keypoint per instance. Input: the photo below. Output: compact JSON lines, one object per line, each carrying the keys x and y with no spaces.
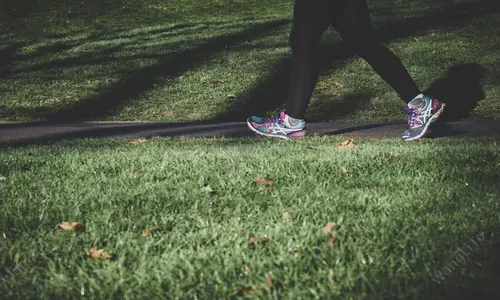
{"x":287,"y":214}
{"x":316,"y":155}
{"x":217,"y":84}
{"x":347,"y":144}
{"x":131,"y":170}
{"x":374,"y":100}
{"x":339,"y":84}
{"x":246,"y":269}
{"x":253,"y":240}
{"x":150,"y":230}
{"x":208,"y":190}
{"x":72,"y":226}
{"x":307,"y":277}
{"x":332,"y":240}
{"x":2,"y":178}
{"x":76,"y":100}
{"x":97,"y":254}
{"x":213,"y":60}
{"x":138,"y":141}
{"x":344,"y":170}
{"x":329,"y":227}
{"x":264,"y":182}
{"x":330,"y":273}
{"x":297,"y":254}
{"x":167,"y":113}
{"x":474,"y":162}
{"x":269,"y":280}
{"x":244,"y":291}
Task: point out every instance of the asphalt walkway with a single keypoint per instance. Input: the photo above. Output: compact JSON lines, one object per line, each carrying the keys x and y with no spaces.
{"x":36,"y":132}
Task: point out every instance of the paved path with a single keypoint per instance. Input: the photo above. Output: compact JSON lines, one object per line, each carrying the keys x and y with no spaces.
{"x":31,"y":132}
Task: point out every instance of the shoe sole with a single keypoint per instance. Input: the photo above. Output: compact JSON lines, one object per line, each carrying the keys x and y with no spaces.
{"x":433,"y":119}
{"x":261,"y":134}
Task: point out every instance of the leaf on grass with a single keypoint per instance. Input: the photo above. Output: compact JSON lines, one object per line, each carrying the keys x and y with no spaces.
{"x":330,"y":273}
{"x":315,"y":155}
{"x":131,"y":170}
{"x":329,"y":227}
{"x":76,"y":100}
{"x":254,"y":241}
{"x":3,"y":178}
{"x":150,"y":230}
{"x":287,"y":214}
{"x":332,"y":240}
{"x":245,"y":291}
{"x":208,"y":190}
{"x":167,"y":113}
{"x":269,"y":280}
{"x":474,"y":162}
{"x":72,"y":226}
{"x":374,"y":100}
{"x":264,"y":182}
{"x":339,"y":84}
{"x":138,"y":141}
{"x":347,"y":144}
{"x":246,"y":269}
{"x":297,"y":254}
{"x":96,"y":254}
{"x":344,"y":170}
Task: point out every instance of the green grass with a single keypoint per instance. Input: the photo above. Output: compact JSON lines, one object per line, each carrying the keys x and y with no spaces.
{"x":224,"y":60}
{"x":403,"y":212}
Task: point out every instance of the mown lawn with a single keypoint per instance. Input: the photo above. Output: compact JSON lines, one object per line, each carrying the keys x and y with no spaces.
{"x":225,"y":60}
{"x":402,"y":213}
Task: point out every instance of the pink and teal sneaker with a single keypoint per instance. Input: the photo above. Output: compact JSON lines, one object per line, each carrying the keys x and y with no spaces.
{"x":277,"y":126}
{"x":422,"y":112}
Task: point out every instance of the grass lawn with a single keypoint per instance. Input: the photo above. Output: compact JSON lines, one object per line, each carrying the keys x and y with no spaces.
{"x":225,"y":60}
{"x":402,"y":214}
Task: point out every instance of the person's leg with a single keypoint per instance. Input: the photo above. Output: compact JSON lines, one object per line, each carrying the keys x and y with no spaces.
{"x":310,"y":20}
{"x":355,"y":27}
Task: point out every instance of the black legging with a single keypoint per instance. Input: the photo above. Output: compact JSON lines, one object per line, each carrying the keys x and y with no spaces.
{"x":352,"y":21}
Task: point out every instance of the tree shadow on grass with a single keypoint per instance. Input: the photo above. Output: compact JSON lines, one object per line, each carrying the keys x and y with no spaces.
{"x":269,"y":94}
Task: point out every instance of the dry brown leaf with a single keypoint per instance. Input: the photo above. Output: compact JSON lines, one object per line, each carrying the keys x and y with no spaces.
{"x":297,"y":254}
{"x":339,"y":84}
{"x":72,"y":226}
{"x":344,"y":170}
{"x":264,"y":182}
{"x":138,"y":141}
{"x":269,"y":280}
{"x":150,"y":230}
{"x":167,"y":113}
{"x":330,"y":273}
{"x":474,"y":162}
{"x":96,"y":254}
{"x":253,"y":240}
{"x":244,"y":291}
{"x":131,"y":170}
{"x":374,"y":100}
{"x":287,"y":214}
{"x":76,"y":100}
{"x":329,"y":227}
{"x":208,"y":190}
{"x":316,"y":155}
{"x":347,"y":144}
{"x":332,"y":240}
{"x":246,"y":269}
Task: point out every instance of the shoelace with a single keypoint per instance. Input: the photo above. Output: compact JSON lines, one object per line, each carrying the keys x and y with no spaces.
{"x":413,"y":115}
{"x":276,"y":119}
